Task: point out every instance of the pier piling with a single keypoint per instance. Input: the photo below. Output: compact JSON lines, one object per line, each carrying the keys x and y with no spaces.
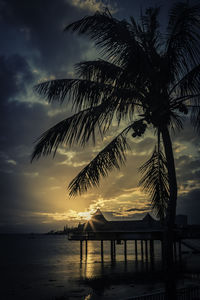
{"x":81,"y":249}
{"x":146,"y":250}
{"x":152,"y":250}
{"x":175,"y":252}
{"x":86,"y":247}
{"x":136,"y":250}
{"x":125,"y":250}
{"x":102,"y":250}
{"x":179,"y":250}
{"x":142,"y":250}
{"x":112,"y":250}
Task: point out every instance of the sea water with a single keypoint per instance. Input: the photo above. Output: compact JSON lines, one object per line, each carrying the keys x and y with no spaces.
{"x":49,"y":266}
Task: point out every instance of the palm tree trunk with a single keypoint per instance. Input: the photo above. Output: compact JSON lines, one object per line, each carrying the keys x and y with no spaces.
{"x":168,"y":236}
{"x":171,"y":209}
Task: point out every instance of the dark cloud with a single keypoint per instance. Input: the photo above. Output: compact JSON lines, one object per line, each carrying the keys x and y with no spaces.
{"x":143,"y":145}
{"x":15,"y":73}
{"x":146,"y":208}
{"x":189,"y":204}
{"x":15,"y":76}
{"x":33,"y":41}
{"x":187,"y":134}
{"x":188,"y":170}
{"x":15,"y":221}
{"x":34,"y":47}
{"x":21,"y":122}
{"x":113,"y":216}
{"x":40,"y":24}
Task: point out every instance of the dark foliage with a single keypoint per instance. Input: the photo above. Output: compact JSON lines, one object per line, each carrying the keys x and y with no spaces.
{"x":147,"y":79}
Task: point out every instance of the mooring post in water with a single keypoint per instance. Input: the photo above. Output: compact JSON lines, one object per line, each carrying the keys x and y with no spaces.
{"x":114,"y":249}
{"x":102,"y":250}
{"x":162,"y":253}
{"x":86,"y":247}
{"x":136,"y":251}
{"x":81,"y":249}
{"x":146,"y":249}
{"x":175,"y":252}
{"x":180,"y":253}
{"x":142,"y":250}
{"x":125,"y":250}
{"x":152,"y":250}
{"x":111,"y":249}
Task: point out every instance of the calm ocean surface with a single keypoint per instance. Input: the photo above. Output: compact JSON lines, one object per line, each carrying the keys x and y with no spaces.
{"x":48,"y":266}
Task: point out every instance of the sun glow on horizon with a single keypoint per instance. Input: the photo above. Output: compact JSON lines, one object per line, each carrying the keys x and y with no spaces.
{"x":71,"y":215}
{"x":86,"y":215}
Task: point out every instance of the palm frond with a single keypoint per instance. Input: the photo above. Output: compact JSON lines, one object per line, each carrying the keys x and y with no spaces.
{"x":189,"y":84}
{"x":87,"y":94}
{"x":99,"y":71}
{"x":183,"y":41}
{"x":78,"y":129}
{"x":114,"y":37}
{"x":151,"y":25}
{"x":188,"y":92}
{"x":83,"y":92}
{"x":112,"y":156}
{"x":55,"y":90}
{"x":154,"y":181}
{"x":176,"y":121}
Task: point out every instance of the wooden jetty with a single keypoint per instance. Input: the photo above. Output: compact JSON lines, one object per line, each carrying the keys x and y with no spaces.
{"x":143,"y":233}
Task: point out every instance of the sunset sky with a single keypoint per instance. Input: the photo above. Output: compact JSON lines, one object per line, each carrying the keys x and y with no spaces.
{"x":34,"y":197}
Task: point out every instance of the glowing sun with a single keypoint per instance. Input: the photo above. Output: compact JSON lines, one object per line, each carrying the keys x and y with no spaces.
{"x":87,"y":215}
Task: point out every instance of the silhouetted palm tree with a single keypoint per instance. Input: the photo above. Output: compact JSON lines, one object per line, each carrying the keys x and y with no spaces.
{"x":148,"y":79}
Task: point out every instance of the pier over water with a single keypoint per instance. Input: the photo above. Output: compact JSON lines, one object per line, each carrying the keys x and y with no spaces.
{"x":143,"y":233}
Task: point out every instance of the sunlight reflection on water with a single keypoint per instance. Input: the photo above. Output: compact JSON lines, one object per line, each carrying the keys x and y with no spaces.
{"x":43,"y":265}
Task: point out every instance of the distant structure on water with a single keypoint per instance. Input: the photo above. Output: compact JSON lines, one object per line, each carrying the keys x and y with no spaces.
{"x":142,"y":232}
{"x":98,"y":223}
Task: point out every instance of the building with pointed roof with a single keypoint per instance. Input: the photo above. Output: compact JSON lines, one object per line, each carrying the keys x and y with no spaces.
{"x":142,"y":232}
{"x":98,"y":223}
